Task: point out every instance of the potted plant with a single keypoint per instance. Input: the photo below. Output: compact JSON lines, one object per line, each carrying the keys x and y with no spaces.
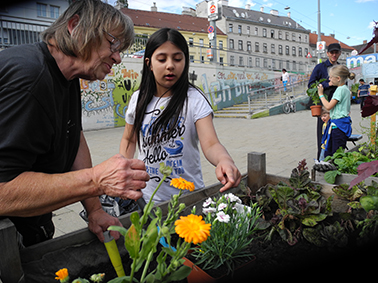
{"x":312,"y":92}
{"x":232,"y":228}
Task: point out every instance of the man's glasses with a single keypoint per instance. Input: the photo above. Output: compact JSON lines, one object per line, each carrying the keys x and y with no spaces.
{"x":115,"y":43}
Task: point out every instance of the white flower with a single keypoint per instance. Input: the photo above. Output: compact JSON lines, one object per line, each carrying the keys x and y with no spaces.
{"x":208,"y":210}
{"x":222,"y":206}
{"x":223,"y":217}
{"x":208,"y":202}
{"x":233,"y":198}
{"x":242,"y":209}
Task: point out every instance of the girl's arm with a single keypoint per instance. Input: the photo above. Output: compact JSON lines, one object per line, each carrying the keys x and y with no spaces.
{"x":327,"y":105}
{"x":128,"y":145}
{"x":226,"y":171}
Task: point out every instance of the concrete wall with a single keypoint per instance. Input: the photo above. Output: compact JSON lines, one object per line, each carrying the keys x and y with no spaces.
{"x":104,"y":103}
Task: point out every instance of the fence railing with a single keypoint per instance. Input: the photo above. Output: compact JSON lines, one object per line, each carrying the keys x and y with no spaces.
{"x":275,"y":94}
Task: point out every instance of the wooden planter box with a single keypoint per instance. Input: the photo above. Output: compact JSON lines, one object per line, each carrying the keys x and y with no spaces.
{"x":81,"y":250}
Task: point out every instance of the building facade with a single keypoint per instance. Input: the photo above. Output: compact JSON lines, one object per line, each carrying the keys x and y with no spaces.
{"x":262,"y":40}
{"x":22,"y":22}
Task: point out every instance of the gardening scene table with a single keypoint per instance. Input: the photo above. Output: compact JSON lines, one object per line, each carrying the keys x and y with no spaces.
{"x":282,"y":141}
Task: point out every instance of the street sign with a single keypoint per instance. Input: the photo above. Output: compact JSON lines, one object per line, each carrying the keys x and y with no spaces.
{"x":210,"y":29}
{"x":210,"y":35}
{"x":309,"y":55}
{"x":320,"y":46}
{"x":213,"y":10}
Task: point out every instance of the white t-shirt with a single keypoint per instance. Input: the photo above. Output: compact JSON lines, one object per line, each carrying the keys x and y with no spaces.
{"x":179,"y":150}
{"x":285,"y":76}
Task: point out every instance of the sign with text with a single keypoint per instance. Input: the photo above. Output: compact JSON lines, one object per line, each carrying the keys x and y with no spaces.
{"x":213,"y":10}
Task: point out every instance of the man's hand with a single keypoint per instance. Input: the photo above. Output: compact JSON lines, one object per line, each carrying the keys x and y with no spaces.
{"x":99,"y":221}
{"x":121,"y":177}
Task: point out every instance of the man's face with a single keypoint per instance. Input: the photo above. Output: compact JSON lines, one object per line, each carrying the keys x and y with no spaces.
{"x":333,"y":56}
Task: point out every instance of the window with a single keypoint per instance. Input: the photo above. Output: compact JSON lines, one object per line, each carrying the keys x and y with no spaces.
{"x":280,"y":34}
{"x":300,"y":54}
{"x":201,"y":41}
{"x":230,"y":28}
{"x":293,"y":36}
{"x":202,"y":59}
{"x":257,"y":62}
{"x":256,"y":31}
{"x":273,"y":49}
{"x":191,"y":58}
{"x":232,"y":60}
{"x":221,"y":61}
{"x":240,"y":44}
{"x":241,"y":61}
{"x":41,"y":10}
{"x":299,"y":37}
{"x":306,"y":51}
{"x":249,"y":46}
{"x":221,"y":44}
{"x":231,"y":44}
{"x":288,"y":65}
{"x":305,"y":39}
{"x":249,"y":62}
{"x":265,"y":48}
{"x":280,"y":49}
{"x":287,"y":50}
{"x":257,"y":47}
{"x":265,"y":63}
{"x":248,"y":30}
{"x":54,"y":12}
{"x":239,"y":29}
{"x":294,"y":66}
{"x":273,"y":64}
{"x":286,"y":35}
{"x":264,"y":32}
{"x":294,"y":51}
{"x":280,"y":65}
{"x":272,"y":33}
{"x":190,"y":41}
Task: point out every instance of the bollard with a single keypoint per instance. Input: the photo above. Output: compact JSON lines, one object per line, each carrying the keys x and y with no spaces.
{"x":256,"y":170}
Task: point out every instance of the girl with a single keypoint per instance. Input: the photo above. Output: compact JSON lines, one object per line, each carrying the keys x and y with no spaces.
{"x":339,"y":108}
{"x":167,"y":117}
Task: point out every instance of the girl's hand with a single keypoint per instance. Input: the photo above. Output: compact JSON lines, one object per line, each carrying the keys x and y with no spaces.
{"x":320,"y":89}
{"x":228,"y":174}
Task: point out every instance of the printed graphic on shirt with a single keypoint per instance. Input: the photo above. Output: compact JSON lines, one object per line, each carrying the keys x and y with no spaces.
{"x":166,"y":147}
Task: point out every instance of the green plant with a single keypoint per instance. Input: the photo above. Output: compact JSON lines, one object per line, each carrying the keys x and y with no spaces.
{"x":312,"y":92}
{"x":299,"y":203}
{"x":327,"y":236}
{"x":232,"y":228}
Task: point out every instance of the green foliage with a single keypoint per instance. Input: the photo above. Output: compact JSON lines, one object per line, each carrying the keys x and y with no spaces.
{"x":312,"y":92}
{"x":232,"y":229}
{"x":327,"y":236}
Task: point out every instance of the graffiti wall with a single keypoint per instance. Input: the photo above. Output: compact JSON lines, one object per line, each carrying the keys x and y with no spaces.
{"x":104,"y":103}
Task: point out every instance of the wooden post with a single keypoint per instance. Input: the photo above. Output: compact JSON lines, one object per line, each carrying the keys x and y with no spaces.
{"x":10,"y":261}
{"x":256,"y":170}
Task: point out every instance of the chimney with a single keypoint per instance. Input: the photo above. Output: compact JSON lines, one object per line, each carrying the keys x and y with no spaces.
{"x":288,"y":14}
{"x":364,"y":42}
{"x":248,"y":6}
{"x":154,"y":8}
{"x":332,"y":35}
{"x":274,"y":12}
{"x":262,"y":9}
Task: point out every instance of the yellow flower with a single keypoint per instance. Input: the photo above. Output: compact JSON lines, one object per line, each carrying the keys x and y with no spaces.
{"x":182,"y":184}
{"x":62,"y":275}
{"x":192,"y":228}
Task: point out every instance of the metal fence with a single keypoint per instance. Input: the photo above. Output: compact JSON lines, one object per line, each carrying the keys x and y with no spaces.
{"x":275,"y":94}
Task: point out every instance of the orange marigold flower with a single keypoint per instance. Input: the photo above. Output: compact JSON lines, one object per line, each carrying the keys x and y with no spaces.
{"x":182,"y":184}
{"x":192,"y":228}
{"x":62,"y":275}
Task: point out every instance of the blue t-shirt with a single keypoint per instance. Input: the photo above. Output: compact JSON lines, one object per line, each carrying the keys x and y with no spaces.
{"x":363,"y":89}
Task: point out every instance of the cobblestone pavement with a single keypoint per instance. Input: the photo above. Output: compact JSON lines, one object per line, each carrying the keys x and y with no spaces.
{"x":286,"y":139}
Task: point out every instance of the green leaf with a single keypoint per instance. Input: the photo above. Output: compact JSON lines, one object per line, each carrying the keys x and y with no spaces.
{"x":313,"y":219}
{"x":134,"y":218}
{"x":330,"y":176}
{"x":132,"y":242}
{"x":149,"y":239}
{"x":119,"y":229}
{"x":369,"y":203}
{"x":179,"y":274}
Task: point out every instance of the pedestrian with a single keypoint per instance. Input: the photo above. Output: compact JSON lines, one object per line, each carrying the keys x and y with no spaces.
{"x":285,"y":78}
{"x":339,"y":107}
{"x":363,"y":90}
{"x":325,"y":132}
{"x":321,"y":72}
{"x":45,"y":162}
{"x":167,"y":117}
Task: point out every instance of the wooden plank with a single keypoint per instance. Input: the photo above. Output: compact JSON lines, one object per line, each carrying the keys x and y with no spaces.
{"x":10,"y":262}
{"x":256,"y":170}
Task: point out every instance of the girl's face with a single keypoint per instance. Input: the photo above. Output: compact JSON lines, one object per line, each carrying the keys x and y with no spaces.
{"x":334,"y":79}
{"x":167,"y":64}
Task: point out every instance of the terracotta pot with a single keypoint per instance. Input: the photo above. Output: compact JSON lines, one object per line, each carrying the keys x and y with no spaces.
{"x":200,"y":276}
{"x":316,"y":110}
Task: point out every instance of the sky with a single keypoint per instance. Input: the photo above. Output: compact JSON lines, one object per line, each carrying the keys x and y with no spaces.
{"x":351,"y":21}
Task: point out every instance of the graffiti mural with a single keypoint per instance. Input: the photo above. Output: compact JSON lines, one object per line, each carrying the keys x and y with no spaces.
{"x":104,"y":103}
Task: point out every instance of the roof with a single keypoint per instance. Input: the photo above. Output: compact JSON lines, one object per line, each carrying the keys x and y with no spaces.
{"x":328,"y":39}
{"x":168,"y":20}
{"x":370,"y":50}
{"x":235,"y":13}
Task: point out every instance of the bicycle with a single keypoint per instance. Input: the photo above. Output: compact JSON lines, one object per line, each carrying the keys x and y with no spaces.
{"x":289,"y":104}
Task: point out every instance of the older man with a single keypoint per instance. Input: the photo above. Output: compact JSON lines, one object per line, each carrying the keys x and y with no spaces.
{"x":321,"y":72}
{"x":45,"y":162}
